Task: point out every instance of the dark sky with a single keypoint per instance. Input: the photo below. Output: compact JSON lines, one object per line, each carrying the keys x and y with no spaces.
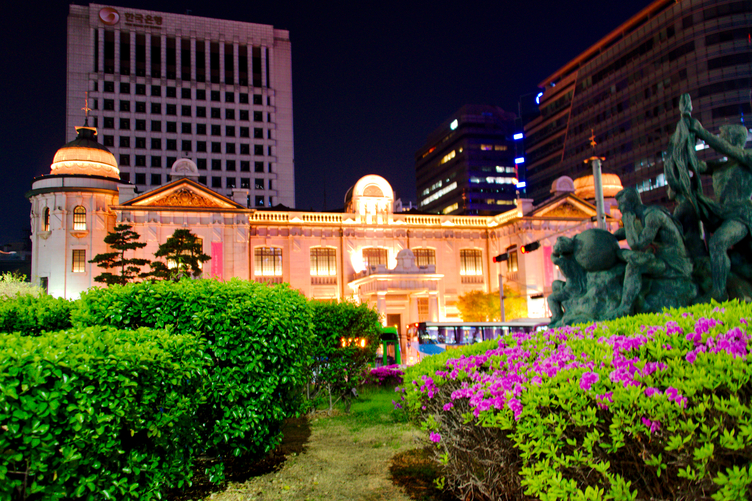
{"x":371,"y":79}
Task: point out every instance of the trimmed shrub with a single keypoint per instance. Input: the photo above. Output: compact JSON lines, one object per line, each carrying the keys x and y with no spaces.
{"x":97,"y":413}
{"x":14,"y":284}
{"x":649,"y":407}
{"x":338,"y":359}
{"x":30,"y":315}
{"x":257,"y":337}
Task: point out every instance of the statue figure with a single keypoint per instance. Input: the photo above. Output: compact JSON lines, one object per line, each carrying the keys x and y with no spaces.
{"x":656,"y":247}
{"x":728,"y":219}
{"x":562,"y":255}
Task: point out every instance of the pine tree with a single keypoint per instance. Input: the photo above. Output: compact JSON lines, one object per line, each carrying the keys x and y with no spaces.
{"x":121,"y":240}
{"x":183,"y":255}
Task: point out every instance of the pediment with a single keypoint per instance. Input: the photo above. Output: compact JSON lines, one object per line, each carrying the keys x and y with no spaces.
{"x":568,"y":206}
{"x":183,"y":193}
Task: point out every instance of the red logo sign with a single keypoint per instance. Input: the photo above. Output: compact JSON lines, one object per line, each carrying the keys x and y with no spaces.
{"x":109,"y":16}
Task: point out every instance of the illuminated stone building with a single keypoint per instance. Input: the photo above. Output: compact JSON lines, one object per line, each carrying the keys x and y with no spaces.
{"x":167,"y":86}
{"x":467,"y":165}
{"x":625,"y":89}
{"x":410,"y":267}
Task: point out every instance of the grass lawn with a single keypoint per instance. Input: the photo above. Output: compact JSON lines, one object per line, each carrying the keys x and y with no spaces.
{"x":370,"y":454}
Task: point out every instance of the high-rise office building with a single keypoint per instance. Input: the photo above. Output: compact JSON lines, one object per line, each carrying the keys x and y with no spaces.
{"x":167,"y":86}
{"x":625,"y":91}
{"x":467,"y":165}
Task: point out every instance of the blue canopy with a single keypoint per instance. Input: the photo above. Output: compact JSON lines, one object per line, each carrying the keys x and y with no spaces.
{"x":430,"y":349}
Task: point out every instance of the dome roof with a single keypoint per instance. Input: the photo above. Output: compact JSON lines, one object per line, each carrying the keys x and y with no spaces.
{"x":584,"y":187}
{"x":85,"y":156}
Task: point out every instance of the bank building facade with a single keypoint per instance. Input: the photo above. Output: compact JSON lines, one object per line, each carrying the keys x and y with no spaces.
{"x":409,"y":266}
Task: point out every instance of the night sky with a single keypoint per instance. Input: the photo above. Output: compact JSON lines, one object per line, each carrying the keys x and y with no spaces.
{"x":371,"y":80}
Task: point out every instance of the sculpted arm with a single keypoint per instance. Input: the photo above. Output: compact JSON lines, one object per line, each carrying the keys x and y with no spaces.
{"x":720,"y":145}
{"x":638,"y":240}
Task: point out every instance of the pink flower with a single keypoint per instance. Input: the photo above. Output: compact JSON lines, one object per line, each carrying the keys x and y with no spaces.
{"x":448,"y":407}
{"x":435,"y":437}
{"x":587,"y":380}
{"x":652,"y":426}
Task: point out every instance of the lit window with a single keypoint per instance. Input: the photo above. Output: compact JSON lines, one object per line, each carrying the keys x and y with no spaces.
{"x":323,"y":262}
{"x":451,"y":208}
{"x":486,"y":147}
{"x":512,"y":261}
{"x":79,"y":218}
{"x":374,"y":256}
{"x":46,"y":219}
{"x":425,"y":257}
{"x":471,"y":262}
{"x":500,"y":147}
{"x":79,"y":261}
{"x":438,"y":194}
{"x":448,"y":157}
{"x":268,"y":261}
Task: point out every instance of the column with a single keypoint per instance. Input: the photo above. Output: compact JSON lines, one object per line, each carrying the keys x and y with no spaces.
{"x":163,"y":57}
{"x":100,"y":56}
{"x":117,"y":52}
{"x":381,"y":306}
{"x":235,"y":66}
{"x":265,"y":56}
{"x":147,"y":46}
{"x":433,"y":307}
{"x":221,"y":44}
{"x":193,"y":60}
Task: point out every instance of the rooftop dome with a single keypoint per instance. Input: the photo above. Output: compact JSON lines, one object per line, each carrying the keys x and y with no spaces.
{"x":584,"y":187}
{"x":85,"y":156}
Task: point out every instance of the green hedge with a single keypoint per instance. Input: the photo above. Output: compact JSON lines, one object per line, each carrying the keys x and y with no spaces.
{"x":333,"y":366}
{"x":31,"y":315}
{"x":257,"y":336}
{"x":97,"y":413}
{"x":648,"y":407}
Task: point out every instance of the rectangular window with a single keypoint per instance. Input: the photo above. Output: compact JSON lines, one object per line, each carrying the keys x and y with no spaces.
{"x":141,"y":142}
{"x":125,"y":124}
{"x":230,"y":114}
{"x":230,"y":131}
{"x":245,"y":183}
{"x":201,"y":164}
{"x":244,"y":115}
{"x":216,"y":147}
{"x":140,"y":124}
{"x":230,"y":166}
{"x":172,"y":109}
{"x":156,"y":126}
{"x":267,"y":261}
{"x":201,"y":111}
{"x":374,"y":256}
{"x":172,"y":145}
{"x":471,"y":262}
{"x":245,"y":166}
{"x":156,"y":179}
{"x":140,"y":107}
{"x":140,"y":160}
{"x":258,"y":150}
{"x":201,"y":146}
{"x":172,"y":126}
{"x":156,"y":143}
{"x":201,"y":94}
{"x":323,"y":262}
{"x":512,"y":261}
{"x":258,"y":99}
{"x":230,"y":181}
{"x":109,"y":122}
{"x":185,"y":111}
{"x":258,"y":184}
{"x":109,"y":104}
{"x":185,"y":93}
{"x":186,"y":145}
{"x":425,"y":257}
{"x":216,"y":130}
{"x":172,"y":92}
{"x":245,"y":132}
{"x":259,"y":201}
{"x":140,"y":89}
{"x":216,"y":182}
{"x":422,"y":309}
{"x":230,"y":148}
{"x":125,"y":160}
{"x":156,"y":161}
{"x":140,"y":178}
{"x":201,"y":129}
{"x":258,"y":167}
{"x":185,"y":128}
{"x":79,"y":261}
{"x":216,"y":164}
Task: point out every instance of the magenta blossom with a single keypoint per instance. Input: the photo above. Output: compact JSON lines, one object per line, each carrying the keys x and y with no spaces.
{"x":435,"y":437}
{"x":587,"y":380}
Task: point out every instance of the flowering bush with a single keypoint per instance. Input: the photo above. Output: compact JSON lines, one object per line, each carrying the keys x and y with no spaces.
{"x":653,"y":406}
{"x":385,"y":376}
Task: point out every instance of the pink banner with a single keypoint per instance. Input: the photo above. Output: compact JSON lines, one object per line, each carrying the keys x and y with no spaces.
{"x":548,"y":267}
{"x":217,"y":263}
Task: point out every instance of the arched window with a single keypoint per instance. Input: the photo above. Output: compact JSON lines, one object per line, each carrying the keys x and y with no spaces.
{"x":323,"y":262}
{"x":46,"y":219}
{"x":471,"y":262}
{"x":79,"y":218}
{"x":425,"y":257}
{"x":268,"y":261}
{"x":373,"y":256}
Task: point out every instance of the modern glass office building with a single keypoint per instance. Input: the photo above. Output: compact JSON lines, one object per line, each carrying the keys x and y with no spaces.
{"x":467,"y":165}
{"x":167,"y":86}
{"x":624,"y":91}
